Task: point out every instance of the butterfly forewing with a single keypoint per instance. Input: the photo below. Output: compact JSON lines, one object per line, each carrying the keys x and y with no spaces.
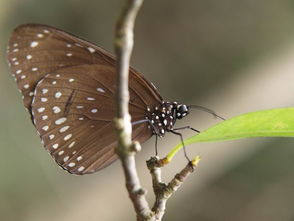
{"x":35,"y":50}
{"x":69,"y":88}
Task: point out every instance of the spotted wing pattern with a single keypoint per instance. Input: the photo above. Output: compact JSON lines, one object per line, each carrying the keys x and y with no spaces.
{"x":68,"y":86}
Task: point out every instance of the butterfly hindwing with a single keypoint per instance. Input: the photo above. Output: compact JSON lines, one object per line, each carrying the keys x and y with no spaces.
{"x":73,"y":111}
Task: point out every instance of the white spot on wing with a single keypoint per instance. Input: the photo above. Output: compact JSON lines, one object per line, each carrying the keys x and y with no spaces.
{"x":63,"y":129}
{"x":67,"y":137}
{"x":71,"y":144}
{"x":56,"y":109}
{"x":77,"y":44}
{"x":45,"y":128}
{"x":100,"y":90}
{"x":72,"y":164}
{"x":60,"y":121}
{"x":41,"y":109}
{"x":81,"y":169}
{"x":92,"y":50}
{"x":34,"y":44}
{"x":58,"y":94}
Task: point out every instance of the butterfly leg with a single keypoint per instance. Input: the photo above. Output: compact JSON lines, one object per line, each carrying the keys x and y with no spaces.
{"x":156,"y":137}
{"x":187,"y":127}
{"x":156,"y":149}
{"x":181,"y":136}
{"x":154,"y":130}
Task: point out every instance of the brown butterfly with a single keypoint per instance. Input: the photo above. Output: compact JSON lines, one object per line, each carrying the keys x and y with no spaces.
{"x":68,"y":86}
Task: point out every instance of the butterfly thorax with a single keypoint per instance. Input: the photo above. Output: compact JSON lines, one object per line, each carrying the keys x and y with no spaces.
{"x":163,"y":117}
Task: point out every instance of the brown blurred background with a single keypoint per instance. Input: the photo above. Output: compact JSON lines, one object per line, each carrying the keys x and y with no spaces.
{"x":233,"y":56}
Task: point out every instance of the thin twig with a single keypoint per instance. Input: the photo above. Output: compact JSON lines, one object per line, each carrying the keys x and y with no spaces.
{"x":126,"y":149}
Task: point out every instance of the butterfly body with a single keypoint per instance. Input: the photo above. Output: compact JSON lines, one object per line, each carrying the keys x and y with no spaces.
{"x":68,"y":86}
{"x":163,"y":117}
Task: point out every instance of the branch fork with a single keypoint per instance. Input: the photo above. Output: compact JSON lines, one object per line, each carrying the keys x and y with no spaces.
{"x":162,"y":190}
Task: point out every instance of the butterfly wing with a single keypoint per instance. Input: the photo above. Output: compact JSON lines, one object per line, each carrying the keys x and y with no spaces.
{"x":73,"y":109}
{"x":35,"y":50}
{"x":68,"y":86}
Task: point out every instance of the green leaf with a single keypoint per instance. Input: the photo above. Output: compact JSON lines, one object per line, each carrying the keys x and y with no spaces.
{"x":266,"y":123}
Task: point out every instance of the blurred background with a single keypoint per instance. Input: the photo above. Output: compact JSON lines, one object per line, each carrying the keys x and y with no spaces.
{"x":231,"y":56}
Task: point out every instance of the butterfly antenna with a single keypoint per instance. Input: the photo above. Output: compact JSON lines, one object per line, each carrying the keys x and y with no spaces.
{"x":206,"y":110}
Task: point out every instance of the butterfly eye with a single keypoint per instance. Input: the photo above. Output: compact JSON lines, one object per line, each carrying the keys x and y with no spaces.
{"x":182,"y":111}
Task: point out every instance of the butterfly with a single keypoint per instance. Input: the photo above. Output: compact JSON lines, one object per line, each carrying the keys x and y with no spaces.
{"x":68,"y":87}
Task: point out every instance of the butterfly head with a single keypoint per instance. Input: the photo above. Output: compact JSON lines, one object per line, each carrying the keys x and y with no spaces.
{"x":181,"y":111}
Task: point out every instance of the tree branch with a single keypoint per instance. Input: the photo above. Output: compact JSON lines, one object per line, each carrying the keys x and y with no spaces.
{"x":164,"y":191}
{"x":126,"y":149}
